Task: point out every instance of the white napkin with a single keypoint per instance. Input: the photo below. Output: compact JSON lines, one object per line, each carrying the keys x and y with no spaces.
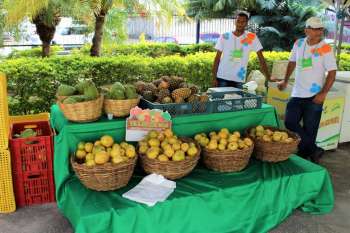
{"x":152,"y":189}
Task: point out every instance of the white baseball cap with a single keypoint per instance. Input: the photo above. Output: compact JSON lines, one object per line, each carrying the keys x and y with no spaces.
{"x":242,"y":12}
{"x":314,"y":22}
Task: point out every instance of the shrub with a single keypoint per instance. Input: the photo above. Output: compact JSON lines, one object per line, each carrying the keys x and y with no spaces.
{"x":34,"y":52}
{"x":32,"y":82}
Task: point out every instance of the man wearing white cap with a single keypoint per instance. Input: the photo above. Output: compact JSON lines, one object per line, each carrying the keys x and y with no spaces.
{"x":312,"y":58}
{"x":233,"y":49}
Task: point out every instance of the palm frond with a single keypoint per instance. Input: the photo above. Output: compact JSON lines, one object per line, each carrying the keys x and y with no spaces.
{"x":267,"y":4}
{"x":17,"y":10}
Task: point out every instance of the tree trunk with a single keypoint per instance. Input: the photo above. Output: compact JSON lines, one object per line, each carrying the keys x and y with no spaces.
{"x":97,"y":39}
{"x":45,"y":31}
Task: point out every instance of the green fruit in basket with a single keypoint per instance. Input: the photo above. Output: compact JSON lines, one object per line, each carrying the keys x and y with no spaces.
{"x":130,"y":87}
{"x":69,"y":100}
{"x":65,"y":90}
{"x":91,"y":93}
{"x":79,"y":98}
{"x":117,"y":86}
{"x":131,"y":93}
{"x":80,"y":86}
{"x":116,"y":94}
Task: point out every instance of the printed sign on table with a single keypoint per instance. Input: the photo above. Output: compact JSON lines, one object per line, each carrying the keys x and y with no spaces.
{"x":141,"y":121}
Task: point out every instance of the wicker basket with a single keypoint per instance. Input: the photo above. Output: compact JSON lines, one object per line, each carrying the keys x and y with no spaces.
{"x":171,"y":169}
{"x":227,"y":161}
{"x":120,"y":108}
{"x":105,"y":177}
{"x":84,"y":111}
{"x":275,"y":151}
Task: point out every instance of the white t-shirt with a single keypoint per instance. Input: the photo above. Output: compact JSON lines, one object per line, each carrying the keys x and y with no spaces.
{"x":230,"y":67}
{"x":310,"y":74}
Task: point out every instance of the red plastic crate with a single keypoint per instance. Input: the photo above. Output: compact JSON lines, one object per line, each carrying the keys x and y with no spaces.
{"x":32,"y":163}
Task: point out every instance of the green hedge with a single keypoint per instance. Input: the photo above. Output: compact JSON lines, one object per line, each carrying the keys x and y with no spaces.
{"x":34,"y":52}
{"x":150,"y":49}
{"x":144,"y":49}
{"x":32,"y":82}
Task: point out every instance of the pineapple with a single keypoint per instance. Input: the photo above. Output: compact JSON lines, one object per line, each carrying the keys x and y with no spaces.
{"x":162,"y":94}
{"x":183,"y":85}
{"x":150,"y":87}
{"x":174,"y":82}
{"x":194,"y":89}
{"x":193,"y":98}
{"x":140,"y":86}
{"x":163,"y":85}
{"x":182,"y":93}
{"x":157,"y":81}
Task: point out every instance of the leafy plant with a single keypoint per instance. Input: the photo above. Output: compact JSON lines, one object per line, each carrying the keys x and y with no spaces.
{"x":32,"y":82}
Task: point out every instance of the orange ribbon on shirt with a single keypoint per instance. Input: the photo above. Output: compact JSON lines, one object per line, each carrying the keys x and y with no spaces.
{"x":249,"y":38}
{"x":323,"y":50}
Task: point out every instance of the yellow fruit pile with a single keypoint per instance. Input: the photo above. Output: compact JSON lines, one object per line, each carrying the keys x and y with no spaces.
{"x":268,"y":135}
{"x":223,"y":140}
{"x":103,"y":151}
{"x":165,"y":146}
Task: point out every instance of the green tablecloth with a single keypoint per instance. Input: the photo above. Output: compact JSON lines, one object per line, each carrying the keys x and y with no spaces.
{"x":254,"y":200}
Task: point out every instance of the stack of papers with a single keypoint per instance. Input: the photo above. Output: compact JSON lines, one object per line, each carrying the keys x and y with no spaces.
{"x":152,"y":189}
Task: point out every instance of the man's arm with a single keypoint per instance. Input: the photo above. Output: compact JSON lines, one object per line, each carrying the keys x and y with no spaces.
{"x":290,"y":68}
{"x":216,"y":66}
{"x":321,"y":96}
{"x":263,"y":65}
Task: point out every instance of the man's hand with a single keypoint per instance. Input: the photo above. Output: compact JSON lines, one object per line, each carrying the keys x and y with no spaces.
{"x":282,"y":85}
{"x":215,"y":82}
{"x":319,"y":98}
{"x":273,"y":79}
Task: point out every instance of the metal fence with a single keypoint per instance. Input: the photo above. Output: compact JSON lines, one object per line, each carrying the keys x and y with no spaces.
{"x":179,"y":30}
{"x":183,"y":31}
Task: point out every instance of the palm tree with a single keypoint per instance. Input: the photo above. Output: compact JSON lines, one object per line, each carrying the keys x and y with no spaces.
{"x":100,"y":9}
{"x":281,"y":23}
{"x":45,"y":14}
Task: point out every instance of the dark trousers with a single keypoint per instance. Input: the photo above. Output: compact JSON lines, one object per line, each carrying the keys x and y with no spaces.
{"x":226,"y":83}
{"x":305,"y":110}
